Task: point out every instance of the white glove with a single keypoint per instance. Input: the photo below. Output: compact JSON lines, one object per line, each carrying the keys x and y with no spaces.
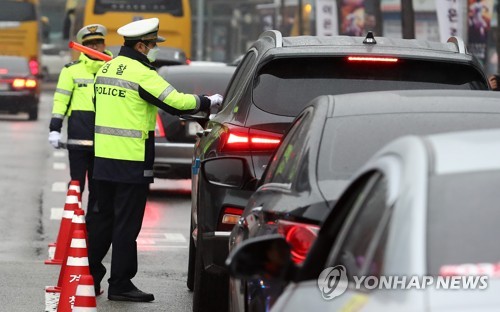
{"x":55,"y":139}
{"x":215,"y":100}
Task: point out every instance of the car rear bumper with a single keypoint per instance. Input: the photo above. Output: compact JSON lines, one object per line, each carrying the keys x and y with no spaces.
{"x":17,"y":103}
{"x":215,"y":251}
{"x":173,"y":160}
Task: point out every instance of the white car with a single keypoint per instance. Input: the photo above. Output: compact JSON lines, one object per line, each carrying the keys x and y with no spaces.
{"x":54,"y":58}
{"x":422,"y":208}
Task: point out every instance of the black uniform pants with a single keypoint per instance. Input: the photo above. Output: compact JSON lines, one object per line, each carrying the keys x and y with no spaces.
{"x":118,"y":221}
{"x":81,"y":166}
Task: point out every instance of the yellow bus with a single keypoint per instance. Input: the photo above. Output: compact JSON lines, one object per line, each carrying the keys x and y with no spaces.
{"x":20,"y":31}
{"x":174,"y":16}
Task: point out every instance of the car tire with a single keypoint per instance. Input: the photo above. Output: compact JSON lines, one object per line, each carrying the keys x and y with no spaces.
{"x":33,"y":114}
{"x":191,"y":261}
{"x":210,"y":290}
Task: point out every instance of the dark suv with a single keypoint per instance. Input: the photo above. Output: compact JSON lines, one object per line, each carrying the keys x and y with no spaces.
{"x":275,"y":80}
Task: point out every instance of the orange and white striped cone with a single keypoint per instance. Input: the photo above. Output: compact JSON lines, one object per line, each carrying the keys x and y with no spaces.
{"x":72,"y":203}
{"x":85,"y":295}
{"x":78,"y":223}
{"x":75,"y":186}
{"x":77,"y":264}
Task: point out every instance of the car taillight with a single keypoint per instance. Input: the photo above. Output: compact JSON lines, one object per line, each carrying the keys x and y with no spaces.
{"x":34,"y":66}
{"x":159,"y":130}
{"x":228,"y":218}
{"x":245,"y":139}
{"x":372,"y":59}
{"x":300,"y":236}
{"x":20,"y":83}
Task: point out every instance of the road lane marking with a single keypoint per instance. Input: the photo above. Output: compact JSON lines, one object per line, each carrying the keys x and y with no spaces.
{"x":56,"y":213}
{"x":59,"y":187}
{"x":150,"y":241}
{"x":59,"y":166}
{"x":59,"y":154}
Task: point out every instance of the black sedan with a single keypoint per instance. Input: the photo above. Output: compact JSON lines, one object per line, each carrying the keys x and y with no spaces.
{"x":174,"y":136}
{"x":326,"y":144}
{"x":19,"y":89}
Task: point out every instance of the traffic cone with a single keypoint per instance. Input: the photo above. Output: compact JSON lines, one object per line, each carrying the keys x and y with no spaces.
{"x":72,"y":203}
{"x":85,"y":295}
{"x":75,"y":186}
{"x":78,"y":223}
{"x":77,"y":265}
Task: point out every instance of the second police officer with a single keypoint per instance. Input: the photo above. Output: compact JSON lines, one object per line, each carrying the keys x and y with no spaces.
{"x":73,"y":98}
{"x":128,"y":93}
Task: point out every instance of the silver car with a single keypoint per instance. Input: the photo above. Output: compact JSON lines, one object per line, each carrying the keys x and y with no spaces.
{"x":422,"y":208}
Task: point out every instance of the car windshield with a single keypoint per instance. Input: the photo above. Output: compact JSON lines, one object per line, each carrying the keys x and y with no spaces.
{"x":13,"y":66}
{"x":283,"y":86}
{"x":349,"y":141}
{"x":462,"y":221}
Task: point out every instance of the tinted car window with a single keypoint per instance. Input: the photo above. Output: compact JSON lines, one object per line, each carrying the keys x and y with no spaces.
{"x":285,"y":85}
{"x":285,"y":164}
{"x":241,"y":70}
{"x":462,"y":225}
{"x":17,"y":11}
{"x":363,"y":232}
{"x":13,"y":66}
{"x":354,"y":139}
{"x":198,"y":82}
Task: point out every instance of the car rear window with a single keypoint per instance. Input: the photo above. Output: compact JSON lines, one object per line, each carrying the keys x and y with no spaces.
{"x":348,"y":142}
{"x":462,"y":221}
{"x":13,"y":66}
{"x":284,"y":86}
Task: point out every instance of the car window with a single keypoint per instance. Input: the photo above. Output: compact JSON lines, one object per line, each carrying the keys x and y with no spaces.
{"x":359,"y":238}
{"x":462,"y":222}
{"x":13,"y":66}
{"x":354,"y":139}
{"x":283,"y":86}
{"x":284,"y":166}
{"x":241,"y":71}
{"x":17,"y":11}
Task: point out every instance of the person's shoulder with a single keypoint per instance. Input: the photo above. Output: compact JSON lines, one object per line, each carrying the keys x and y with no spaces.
{"x":72,"y":63}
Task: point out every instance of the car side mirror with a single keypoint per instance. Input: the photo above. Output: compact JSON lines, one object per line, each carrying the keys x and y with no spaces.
{"x":202,"y":120}
{"x":262,"y":257}
{"x":230,"y":172}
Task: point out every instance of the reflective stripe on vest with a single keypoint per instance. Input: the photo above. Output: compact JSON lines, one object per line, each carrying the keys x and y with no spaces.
{"x":165,"y":93}
{"x":80,"y":142}
{"x":117,"y":83}
{"x":62,"y":91}
{"x":119,"y":132}
{"x":83,"y":81}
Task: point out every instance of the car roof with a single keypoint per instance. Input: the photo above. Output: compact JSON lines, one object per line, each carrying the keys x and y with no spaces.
{"x":465,"y":151}
{"x":415,"y":101}
{"x":202,"y":69}
{"x":454,"y":49}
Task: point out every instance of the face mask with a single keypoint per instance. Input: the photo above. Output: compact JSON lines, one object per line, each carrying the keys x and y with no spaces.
{"x":152,"y":53}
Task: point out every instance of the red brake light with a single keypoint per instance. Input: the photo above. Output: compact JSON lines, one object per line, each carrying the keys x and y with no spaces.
{"x":188,"y":61}
{"x":159,"y":130}
{"x":4,"y":71}
{"x":300,"y":236}
{"x":228,"y":218}
{"x":372,"y":59}
{"x":34,"y":66}
{"x":245,"y":139}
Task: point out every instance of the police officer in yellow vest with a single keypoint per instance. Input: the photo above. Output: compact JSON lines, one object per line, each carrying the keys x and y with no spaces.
{"x":73,"y":98}
{"x":128,"y":93}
